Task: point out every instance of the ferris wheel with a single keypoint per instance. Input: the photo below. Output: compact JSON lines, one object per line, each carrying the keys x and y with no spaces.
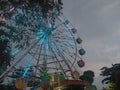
{"x":40,"y":46}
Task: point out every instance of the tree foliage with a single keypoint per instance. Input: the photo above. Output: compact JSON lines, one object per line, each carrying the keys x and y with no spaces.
{"x":23,"y":19}
{"x":4,"y":52}
{"x":112,"y":75}
{"x":88,"y":76}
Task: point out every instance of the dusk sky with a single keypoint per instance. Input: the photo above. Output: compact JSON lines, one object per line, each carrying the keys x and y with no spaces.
{"x":98,"y":24}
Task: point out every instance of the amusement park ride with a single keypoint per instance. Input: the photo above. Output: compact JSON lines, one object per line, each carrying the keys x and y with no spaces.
{"x":45,"y":47}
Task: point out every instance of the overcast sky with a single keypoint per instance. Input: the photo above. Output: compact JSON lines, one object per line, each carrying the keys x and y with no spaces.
{"x":98,"y":24}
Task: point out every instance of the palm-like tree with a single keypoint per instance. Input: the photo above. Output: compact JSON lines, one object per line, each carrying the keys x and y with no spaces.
{"x":112,"y":75}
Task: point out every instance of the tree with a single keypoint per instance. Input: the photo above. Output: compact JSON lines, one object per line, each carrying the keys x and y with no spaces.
{"x":4,"y":51}
{"x":112,"y":75}
{"x":5,"y":57}
{"x":88,"y":76}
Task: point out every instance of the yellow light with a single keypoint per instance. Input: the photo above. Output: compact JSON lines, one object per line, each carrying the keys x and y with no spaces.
{"x":76,"y":75}
{"x":20,"y":83}
{"x":53,"y":79}
{"x":59,"y":89}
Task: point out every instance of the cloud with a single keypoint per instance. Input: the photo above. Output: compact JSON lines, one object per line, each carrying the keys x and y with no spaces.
{"x":98,"y":23}
{"x":110,"y":6}
{"x":93,"y":18}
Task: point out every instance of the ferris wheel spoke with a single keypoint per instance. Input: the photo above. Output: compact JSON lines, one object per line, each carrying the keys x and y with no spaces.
{"x":66,"y":42}
{"x":53,"y":49}
{"x":63,"y":38}
{"x":64,"y":50}
{"x":66,"y":45}
{"x":38,"y":59}
{"x":65,"y":59}
{"x":70,"y":58}
{"x":60,"y":51}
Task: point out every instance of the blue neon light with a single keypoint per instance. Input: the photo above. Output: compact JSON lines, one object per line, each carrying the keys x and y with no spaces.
{"x":13,"y":53}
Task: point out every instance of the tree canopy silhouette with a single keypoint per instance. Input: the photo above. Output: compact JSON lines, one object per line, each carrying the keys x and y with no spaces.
{"x":4,"y":52}
{"x":88,"y":76}
{"x":112,"y":75}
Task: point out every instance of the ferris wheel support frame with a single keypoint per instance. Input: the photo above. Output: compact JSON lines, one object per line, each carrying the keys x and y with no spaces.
{"x":32,"y":46}
{"x":18,"y":60}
